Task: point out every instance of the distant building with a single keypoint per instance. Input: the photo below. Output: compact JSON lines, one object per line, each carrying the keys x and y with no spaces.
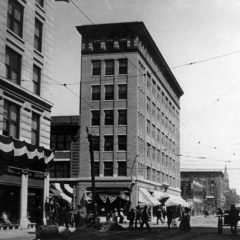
{"x":214,"y":184}
{"x":25,"y":69}
{"x":129,"y":100}
{"x":193,"y":191}
{"x":65,"y":143}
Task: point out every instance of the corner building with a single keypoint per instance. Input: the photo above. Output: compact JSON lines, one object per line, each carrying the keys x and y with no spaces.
{"x":130,"y":103}
{"x":25,"y":71}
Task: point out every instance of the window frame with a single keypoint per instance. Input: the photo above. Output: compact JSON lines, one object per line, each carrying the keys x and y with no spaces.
{"x":122,"y":91}
{"x":109,"y":95}
{"x":108,"y":117}
{"x":121,"y":171}
{"x":96,"y":96}
{"x":106,"y":169}
{"x":95,"y":118}
{"x":122,"y":145}
{"x":108,"y":146}
{"x":123,"y":66}
{"x":35,"y":131}
{"x":38,"y":26}
{"x":12,"y":20}
{"x":109,"y":67}
{"x":122,"y":119}
{"x":37,"y":71}
{"x":96,"y":68}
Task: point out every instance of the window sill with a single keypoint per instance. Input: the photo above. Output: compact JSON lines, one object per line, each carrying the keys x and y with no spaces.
{"x":38,"y":53}
{"x":20,"y":39}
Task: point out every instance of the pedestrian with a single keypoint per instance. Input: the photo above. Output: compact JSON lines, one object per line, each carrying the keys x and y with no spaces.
{"x":169,"y":217}
{"x":159,"y":215}
{"x":233,"y":216}
{"x":185,"y":220}
{"x":121,"y":216}
{"x":131,"y":217}
{"x":108,"y":215}
{"x":115,"y":215}
{"x":144,"y":219}
{"x":138,"y":216}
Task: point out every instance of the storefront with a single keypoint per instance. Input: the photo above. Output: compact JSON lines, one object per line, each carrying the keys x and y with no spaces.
{"x":24,"y":179}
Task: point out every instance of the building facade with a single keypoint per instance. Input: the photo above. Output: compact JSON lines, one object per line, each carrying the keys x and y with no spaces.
{"x":214,"y":184}
{"x":25,"y":71}
{"x":129,"y":101}
{"x":193,"y":191}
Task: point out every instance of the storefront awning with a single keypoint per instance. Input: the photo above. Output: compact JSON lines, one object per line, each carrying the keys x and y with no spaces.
{"x":175,"y":201}
{"x":160,"y":196}
{"x":145,"y":198}
{"x":19,"y":148}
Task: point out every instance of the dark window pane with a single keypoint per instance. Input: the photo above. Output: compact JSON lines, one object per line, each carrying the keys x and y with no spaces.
{"x":11,"y":114}
{"x":13,"y":65}
{"x":96,"y":68}
{"x":122,"y":91}
{"x":122,"y":117}
{"x":95,"y":121}
{"x":122,"y":169}
{"x":109,"y":92}
{"x":96,"y":143}
{"x":109,"y":67}
{"x":38,"y":35}
{"x":108,"y":143}
{"x":122,"y":143}
{"x":96,"y":92}
{"x":35,"y":128}
{"x":15,"y":17}
{"x":96,"y":169}
{"x":108,"y":117}
{"x":108,"y":168}
{"x":36,"y":79}
{"x":123,"y":67}
{"x":96,"y":46}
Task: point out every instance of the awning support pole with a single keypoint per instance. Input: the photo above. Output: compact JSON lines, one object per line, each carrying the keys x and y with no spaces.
{"x":45,"y":194}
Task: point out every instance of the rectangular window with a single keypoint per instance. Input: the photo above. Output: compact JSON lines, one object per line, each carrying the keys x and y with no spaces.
{"x":153,"y":131}
{"x":95,"y":120}
{"x":96,"y":169}
{"x":122,"y":168}
{"x":13,"y":65}
{"x":153,"y":153}
{"x":122,"y":44}
{"x":153,"y":109}
{"x":122,"y":117}
{"x":122,"y":91}
{"x":109,"y":67}
{"x":148,"y":105}
{"x":96,"y":68}
{"x":108,"y":143}
{"x":96,"y":92}
{"x":149,"y":173}
{"x":15,"y":17}
{"x":109,"y":45}
{"x":123,"y":66}
{"x":148,"y":81}
{"x":96,"y":143}
{"x":40,"y":2}
{"x":108,"y":117}
{"x":11,"y":114}
{"x":148,"y":150}
{"x":38,"y":31}
{"x":36,"y":79}
{"x":60,"y":169}
{"x":109,"y":92}
{"x":122,"y":143}
{"x":96,"y":46}
{"x":148,"y":127}
{"x":35,"y":128}
{"x":108,"y":169}
{"x":61,"y":141}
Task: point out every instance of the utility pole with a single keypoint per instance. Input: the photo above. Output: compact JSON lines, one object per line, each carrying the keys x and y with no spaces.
{"x":90,"y":140}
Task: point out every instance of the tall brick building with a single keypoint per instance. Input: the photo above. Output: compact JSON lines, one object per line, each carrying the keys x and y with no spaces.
{"x":130,"y":103}
{"x":25,"y":70}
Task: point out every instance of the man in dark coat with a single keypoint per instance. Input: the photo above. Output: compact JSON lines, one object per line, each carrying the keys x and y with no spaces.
{"x":145,"y":218}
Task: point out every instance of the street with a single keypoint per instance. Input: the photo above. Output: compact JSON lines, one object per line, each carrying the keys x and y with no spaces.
{"x":202,"y":228}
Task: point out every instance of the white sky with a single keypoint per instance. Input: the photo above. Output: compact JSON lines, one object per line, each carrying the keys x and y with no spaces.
{"x":185,"y":31}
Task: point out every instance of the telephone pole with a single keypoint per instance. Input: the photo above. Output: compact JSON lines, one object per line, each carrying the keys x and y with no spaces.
{"x":92,"y":172}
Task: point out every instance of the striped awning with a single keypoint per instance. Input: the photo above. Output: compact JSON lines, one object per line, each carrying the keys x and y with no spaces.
{"x":20,"y":148}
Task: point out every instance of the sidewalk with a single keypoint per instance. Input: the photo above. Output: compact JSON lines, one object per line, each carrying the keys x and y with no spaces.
{"x":17,"y":233}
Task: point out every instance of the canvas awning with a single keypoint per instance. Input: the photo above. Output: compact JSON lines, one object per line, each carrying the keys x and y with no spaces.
{"x":160,"y":196}
{"x":65,"y":191}
{"x":19,"y":148}
{"x":174,"y":200}
{"x":145,"y":198}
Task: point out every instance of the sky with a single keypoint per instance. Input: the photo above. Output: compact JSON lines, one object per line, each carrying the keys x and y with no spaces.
{"x":204,"y":33}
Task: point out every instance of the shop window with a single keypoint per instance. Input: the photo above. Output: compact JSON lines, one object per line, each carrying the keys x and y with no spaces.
{"x":122,"y":117}
{"x":15,"y":17}
{"x":122,"y":168}
{"x":108,"y":117}
{"x":11,"y":114}
{"x":36,"y":79}
{"x":95,"y":120}
{"x":96,"y":92}
{"x":108,"y":143}
{"x":109,"y":67}
{"x":13,"y":65}
{"x":35,"y":133}
{"x":108,"y":169}
{"x":122,"y":91}
{"x":109,"y":92}
{"x":123,"y":66}
{"x":96,"y":67}
{"x":38,"y":31}
{"x":122,"y":143}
